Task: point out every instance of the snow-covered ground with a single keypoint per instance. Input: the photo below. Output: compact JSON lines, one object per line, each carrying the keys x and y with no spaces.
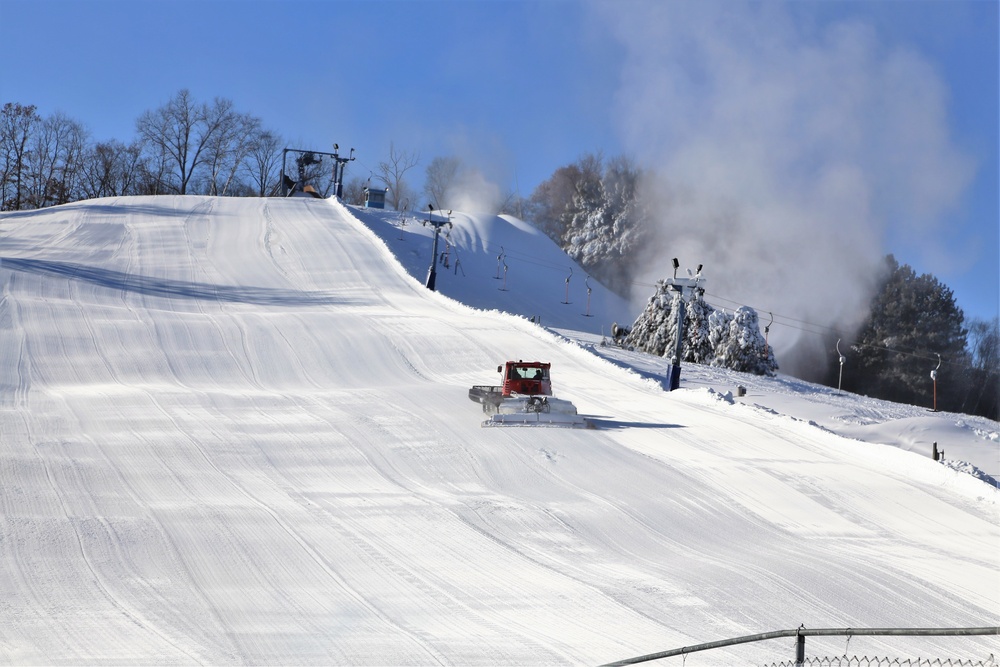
{"x":968,"y":443}
{"x":237,"y":431}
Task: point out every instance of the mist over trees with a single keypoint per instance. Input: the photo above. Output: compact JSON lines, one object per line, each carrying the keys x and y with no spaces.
{"x":594,"y":210}
{"x":440,"y":180}
{"x":452,"y":183}
{"x":913,"y":327}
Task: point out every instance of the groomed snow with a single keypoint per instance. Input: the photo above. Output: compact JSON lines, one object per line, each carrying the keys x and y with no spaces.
{"x":237,"y":431}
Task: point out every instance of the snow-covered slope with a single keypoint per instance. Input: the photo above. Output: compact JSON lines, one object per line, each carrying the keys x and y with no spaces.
{"x":474,"y":277}
{"x":500,"y":263}
{"x":238,"y":431}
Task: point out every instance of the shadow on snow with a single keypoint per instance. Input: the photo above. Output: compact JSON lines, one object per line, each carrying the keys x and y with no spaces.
{"x":171,"y":289}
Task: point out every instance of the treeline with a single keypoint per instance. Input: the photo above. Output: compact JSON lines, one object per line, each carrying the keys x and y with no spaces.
{"x":183,"y":147}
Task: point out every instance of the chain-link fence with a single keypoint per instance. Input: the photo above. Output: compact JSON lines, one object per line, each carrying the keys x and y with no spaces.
{"x":802,"y":632}
{"x":875,"y":661}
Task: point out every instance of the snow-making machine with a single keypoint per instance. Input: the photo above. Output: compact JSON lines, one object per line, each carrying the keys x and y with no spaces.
{"x":525,"y":399}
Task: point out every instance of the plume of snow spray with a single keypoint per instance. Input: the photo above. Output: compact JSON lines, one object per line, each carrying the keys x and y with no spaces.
{"x":782,"y":151}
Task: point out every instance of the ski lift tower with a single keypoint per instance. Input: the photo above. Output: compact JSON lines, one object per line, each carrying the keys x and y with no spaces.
{"x":338,"y":170}
{"x":693,"y":282}
{"x":306,"y":158}
{"x":437,"y":224}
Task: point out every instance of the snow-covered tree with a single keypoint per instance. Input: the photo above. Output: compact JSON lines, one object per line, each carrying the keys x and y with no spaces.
{"x":711,"y":337}
{"x":697,"y":343}
{"x":742,"y":347}
{"x":607,"y":221}
{"x":653,"y":331}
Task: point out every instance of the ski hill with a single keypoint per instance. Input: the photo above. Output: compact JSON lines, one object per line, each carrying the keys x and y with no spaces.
{"x":237,"y":431}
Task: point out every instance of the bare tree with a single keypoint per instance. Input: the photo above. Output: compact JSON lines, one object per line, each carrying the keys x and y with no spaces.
{"x":227,"y":145}
{"x":354,"y":191}
{"x":509,"y":204}
{"x":154,"y":177}
{"x":262,"y":161}
{"x":110,"y":169}
{"x":17,"y":125}
{"x":181,"y":132}
{"x":441,"y":177}
{"x":392,"y":172}
{"x":55,"y":157}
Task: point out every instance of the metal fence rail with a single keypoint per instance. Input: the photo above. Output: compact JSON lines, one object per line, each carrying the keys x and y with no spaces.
{"x":802,"y":632}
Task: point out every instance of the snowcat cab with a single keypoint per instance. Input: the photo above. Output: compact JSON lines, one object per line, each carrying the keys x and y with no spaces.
{"x":530,"y":378}
{"x":525,"y":398}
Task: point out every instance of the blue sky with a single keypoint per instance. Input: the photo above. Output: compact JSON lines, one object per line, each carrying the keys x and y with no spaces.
{"x":523,"y":87}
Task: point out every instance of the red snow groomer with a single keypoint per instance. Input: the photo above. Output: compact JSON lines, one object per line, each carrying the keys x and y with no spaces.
{"x":525,"y":399}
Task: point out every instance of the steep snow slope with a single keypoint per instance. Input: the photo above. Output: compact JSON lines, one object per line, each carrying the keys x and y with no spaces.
{"x":236,"y":431}
{"x":500,"y":263}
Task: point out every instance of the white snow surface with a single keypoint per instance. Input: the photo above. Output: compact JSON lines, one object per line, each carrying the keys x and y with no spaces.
{"x":237,"y":431}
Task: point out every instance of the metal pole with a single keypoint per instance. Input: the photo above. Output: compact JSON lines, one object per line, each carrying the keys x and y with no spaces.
{"x":432,"y":271}
{"x":675,"y":367}
{"x":284,"y":188}
{"x":840,"y":379}
{"x":934,"y":378}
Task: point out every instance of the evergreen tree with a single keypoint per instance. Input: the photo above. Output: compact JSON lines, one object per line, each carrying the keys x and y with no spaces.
{"x":742,"y":347}
{"x":653,"y":331}
{"x":912,"y":320}
{"x":698,"y":346}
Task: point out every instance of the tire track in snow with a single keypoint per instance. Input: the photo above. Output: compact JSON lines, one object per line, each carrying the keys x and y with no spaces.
{"x":363,"y":546}
{"x":649,"y":529}
{"x":309,"y":549}
{"x":510,"y":633}
{"x":407,"y":580}
{"x":15,"y":384}
{"x":181,"y":617}
{"x":884,"y":575}
{"x":96,"y":575}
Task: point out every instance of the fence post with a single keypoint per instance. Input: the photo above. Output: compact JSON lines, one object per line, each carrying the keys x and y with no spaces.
{"x":800,"y":648}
